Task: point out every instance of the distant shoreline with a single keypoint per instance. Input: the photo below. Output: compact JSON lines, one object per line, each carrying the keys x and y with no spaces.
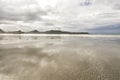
{"x":81,"y":35}
{"x":44,"y":32}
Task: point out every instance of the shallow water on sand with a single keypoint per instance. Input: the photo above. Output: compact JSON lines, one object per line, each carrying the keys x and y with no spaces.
{"x":91,"y":57}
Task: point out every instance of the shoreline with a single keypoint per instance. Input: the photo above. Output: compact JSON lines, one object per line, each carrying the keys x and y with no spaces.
{"x":77,"y":35}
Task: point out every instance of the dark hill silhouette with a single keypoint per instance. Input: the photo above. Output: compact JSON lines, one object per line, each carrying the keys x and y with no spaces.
{"x":63,"y":32}
{"x":45,"y":32}
{"x":34,"y":31}
{"x":16,"y":32}
{"x":56,"y":32}
{"x":1,"y":31}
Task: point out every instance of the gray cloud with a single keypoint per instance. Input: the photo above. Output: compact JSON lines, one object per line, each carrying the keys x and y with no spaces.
{"x":49,"y":24}
{"x":21,"y":13}
{"x":71,"y":15}
{"x":26,"y":16}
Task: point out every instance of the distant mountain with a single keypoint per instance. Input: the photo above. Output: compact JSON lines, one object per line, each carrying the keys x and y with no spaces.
{"x":110,"y":29}
{"x":55,"y":32}
{"x":45,"y":32}
{"x":63,"y":32}
{"x":34,"y":31}
{"x":1,"y":31}
{"x":16,"y":32}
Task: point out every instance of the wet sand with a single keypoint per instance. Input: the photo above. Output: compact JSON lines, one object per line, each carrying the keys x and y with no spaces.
{"x":89,"y":57}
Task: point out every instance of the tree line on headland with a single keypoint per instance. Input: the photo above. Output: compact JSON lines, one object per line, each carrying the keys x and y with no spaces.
{"x":44,"y":32}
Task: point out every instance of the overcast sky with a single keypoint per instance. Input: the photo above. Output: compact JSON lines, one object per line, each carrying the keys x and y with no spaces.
{"x":70,"y":15}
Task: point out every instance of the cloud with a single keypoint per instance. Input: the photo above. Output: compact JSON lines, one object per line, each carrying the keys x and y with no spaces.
{"x":23,"y":12}
{"x":73,"y":15}
{"x":107,"y":29}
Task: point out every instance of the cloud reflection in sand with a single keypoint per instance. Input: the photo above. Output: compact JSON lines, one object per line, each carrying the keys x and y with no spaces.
{"x":59,"y":58}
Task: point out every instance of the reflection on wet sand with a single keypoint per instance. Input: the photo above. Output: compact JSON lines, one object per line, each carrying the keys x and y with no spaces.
{"x":59,"y":58}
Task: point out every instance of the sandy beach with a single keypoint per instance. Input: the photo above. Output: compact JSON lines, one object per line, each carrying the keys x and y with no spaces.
{"x":59,"y":57}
